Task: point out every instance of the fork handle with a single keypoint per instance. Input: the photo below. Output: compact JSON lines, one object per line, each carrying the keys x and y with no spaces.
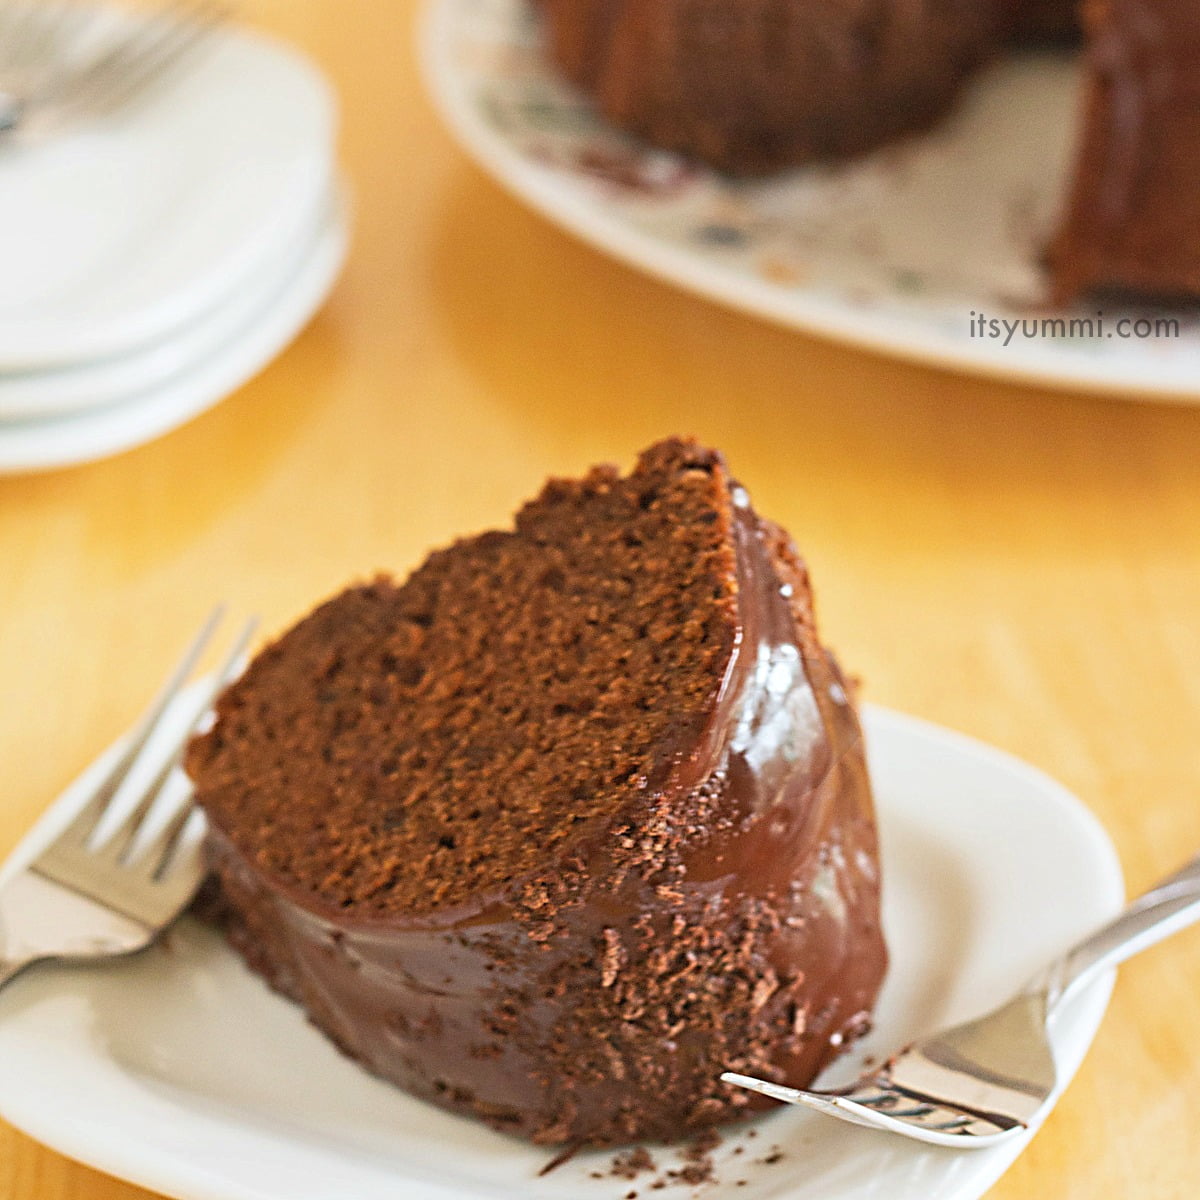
{"x":1167,"y":908}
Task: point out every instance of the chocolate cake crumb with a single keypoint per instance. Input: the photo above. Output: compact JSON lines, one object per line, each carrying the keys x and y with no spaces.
{"x":613,"y":958}
{"x":703,"y":1146}
{"x":775,"y":1156}
{"x":697,"y":1160}
{"x":631,"y":1163}
{"x":563,"y":1156}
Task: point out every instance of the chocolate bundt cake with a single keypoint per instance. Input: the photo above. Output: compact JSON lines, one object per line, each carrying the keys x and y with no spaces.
{"x":1133,"y":218}
{"x":752,"y":86}
{"x":568,"y":823}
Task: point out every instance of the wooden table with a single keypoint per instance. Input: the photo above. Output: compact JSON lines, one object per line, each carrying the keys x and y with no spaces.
{"x":1020,"y":565}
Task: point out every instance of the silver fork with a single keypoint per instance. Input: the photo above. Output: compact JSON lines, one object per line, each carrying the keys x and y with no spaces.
{"x":987,"y":1080}
{"x":45,"y":81}
{"x":79,"y":900}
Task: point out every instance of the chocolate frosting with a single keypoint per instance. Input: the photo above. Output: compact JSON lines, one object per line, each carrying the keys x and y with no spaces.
{"x":599,"y":1000}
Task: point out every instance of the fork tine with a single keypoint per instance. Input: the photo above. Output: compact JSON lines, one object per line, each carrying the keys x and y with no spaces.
{"x":33,"y":29}
{"x":19,"y":21}
{"x":830,"y":1105}
{"x":162,"y":845}
{"x":136,"y":57}
{"x":161,"y":852}
{"x":42,"y":31}
{"x":86,"y":821}
{"x":119,"y":86}
{"x":776,"y":1091}
{"x":951,"y":1125}
{"x":881,"y":1107}
{"x":69,"y":82}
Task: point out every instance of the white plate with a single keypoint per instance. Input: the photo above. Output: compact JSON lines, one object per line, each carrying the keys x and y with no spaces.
{"x":895,"y":252}
{"x":45,"y":444}
{"x":181,"y":1072}
{"x":190,"y":190}
{"x":36,"y":395}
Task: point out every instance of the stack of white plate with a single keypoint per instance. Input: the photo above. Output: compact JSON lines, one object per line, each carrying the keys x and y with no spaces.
{"x":155,"y":260}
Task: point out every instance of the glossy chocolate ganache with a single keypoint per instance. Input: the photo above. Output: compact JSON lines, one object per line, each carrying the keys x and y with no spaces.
{"x":720,"y":910}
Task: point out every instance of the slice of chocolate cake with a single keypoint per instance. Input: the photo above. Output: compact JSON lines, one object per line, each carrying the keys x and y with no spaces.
{"x":568,"y":823}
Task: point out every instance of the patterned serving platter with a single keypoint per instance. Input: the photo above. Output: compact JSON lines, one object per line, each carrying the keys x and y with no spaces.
{"x":929,"y":250}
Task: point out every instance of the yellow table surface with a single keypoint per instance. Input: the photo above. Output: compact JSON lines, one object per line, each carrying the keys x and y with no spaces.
{"x":1020,"y":565}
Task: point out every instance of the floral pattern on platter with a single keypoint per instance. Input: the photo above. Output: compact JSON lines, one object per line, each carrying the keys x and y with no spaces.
{"x":903,"y":250}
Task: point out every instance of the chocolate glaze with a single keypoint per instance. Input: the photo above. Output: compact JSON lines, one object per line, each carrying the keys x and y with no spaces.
{"x":599,"y":1000}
